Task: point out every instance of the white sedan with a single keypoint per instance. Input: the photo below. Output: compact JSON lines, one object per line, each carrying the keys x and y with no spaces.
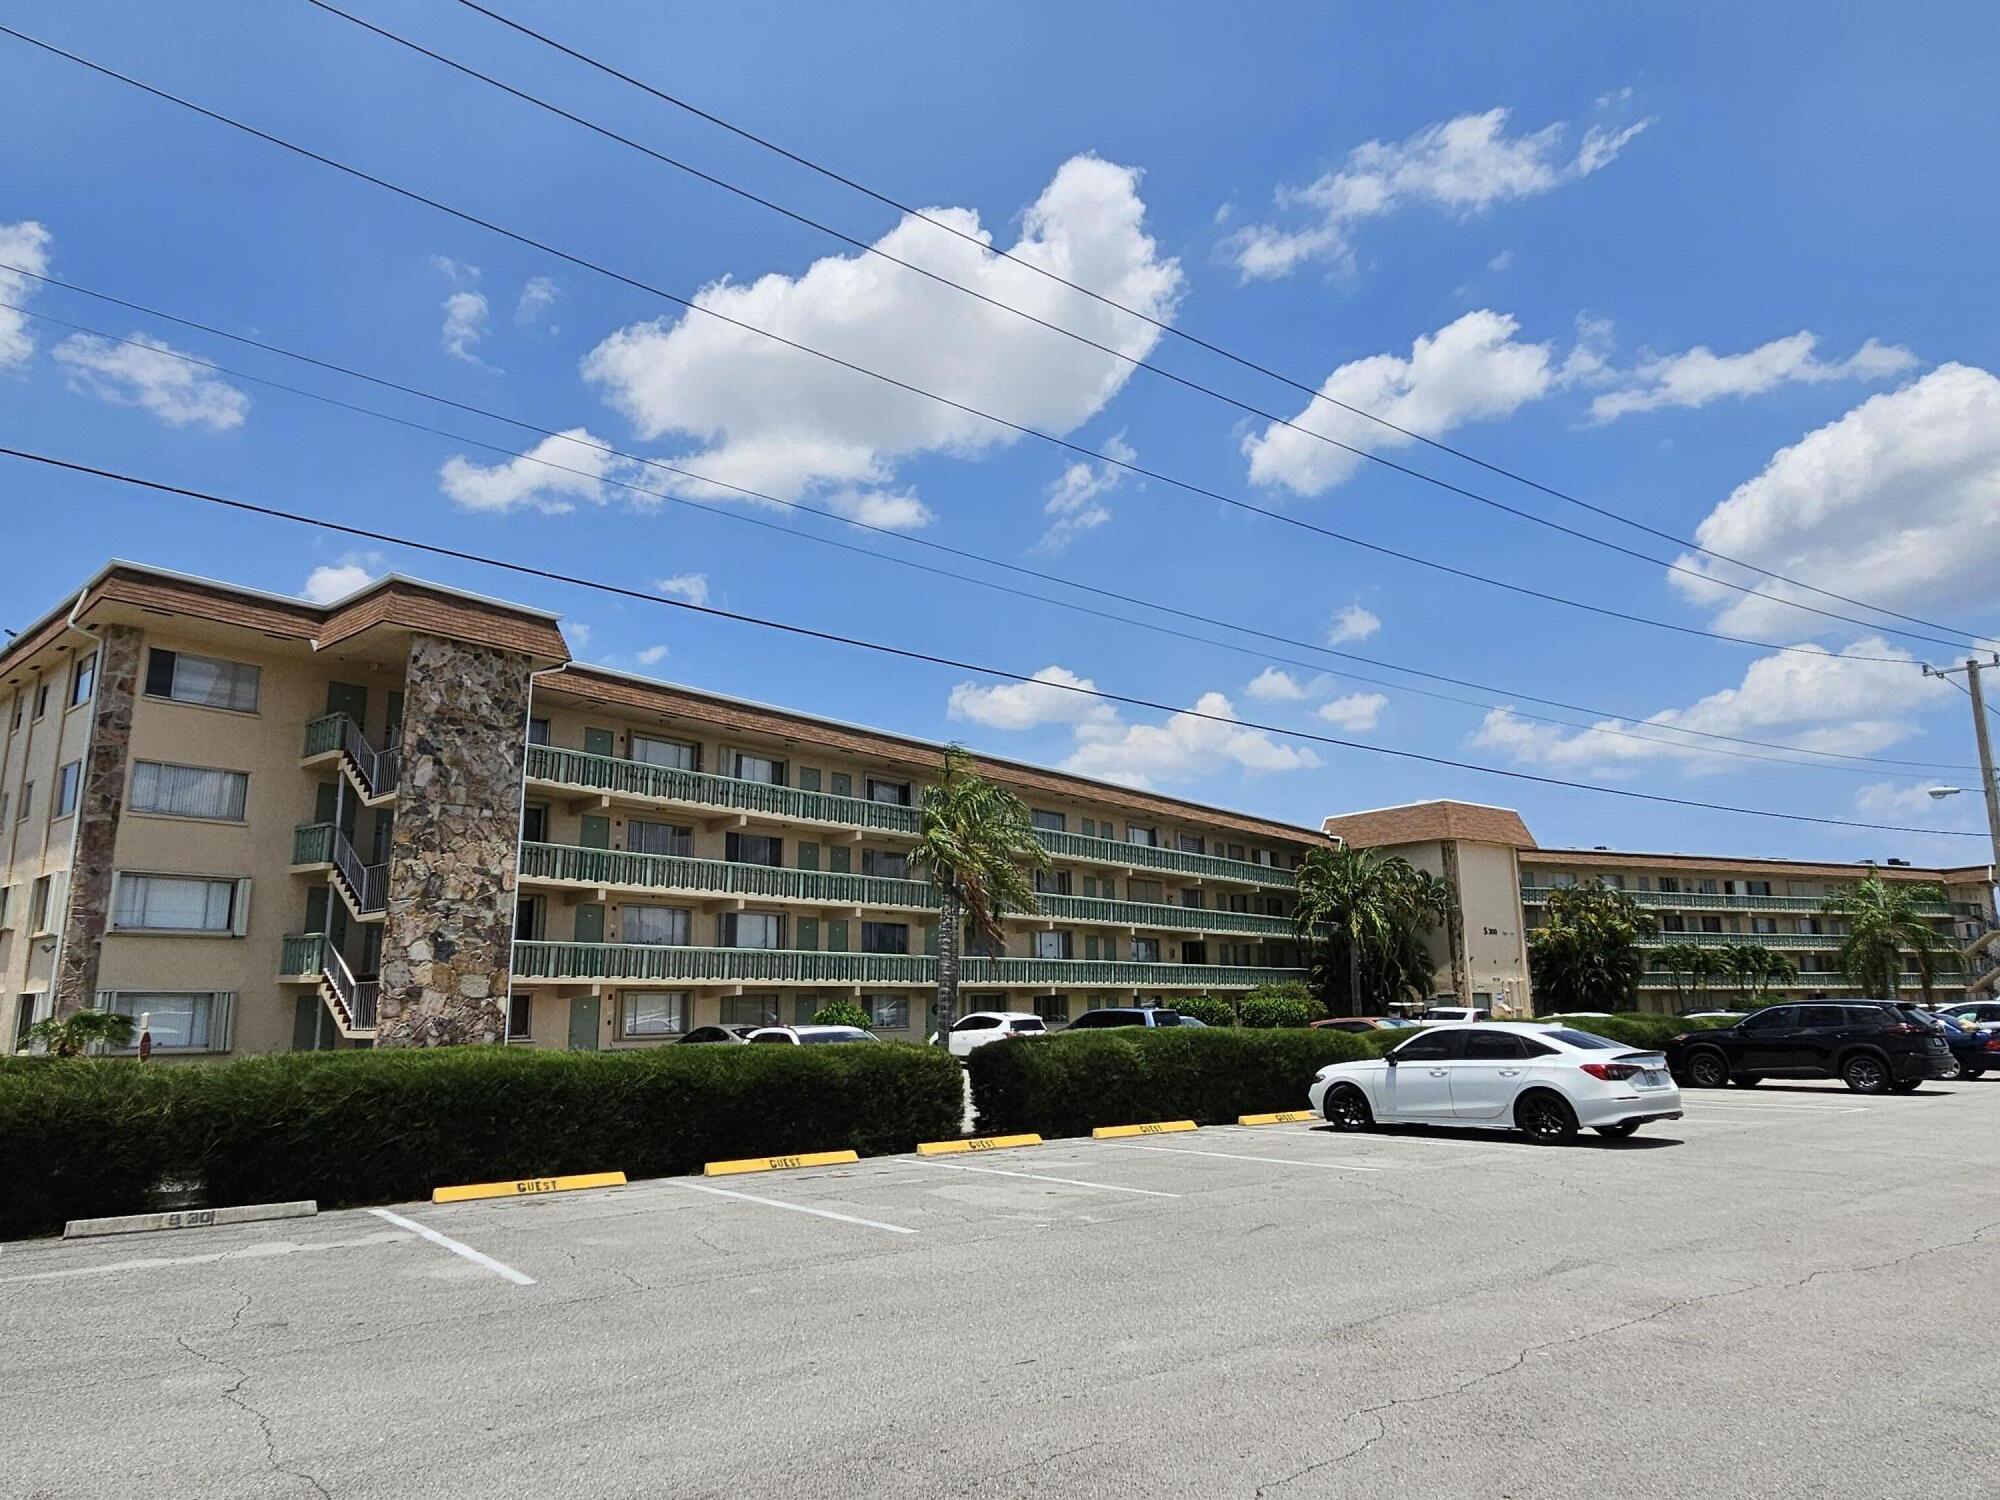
{"x":1545,"y":1081}
{"x":983,"y":1026}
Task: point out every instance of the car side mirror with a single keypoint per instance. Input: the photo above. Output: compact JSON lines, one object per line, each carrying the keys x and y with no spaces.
{"x":1389,"y":1058}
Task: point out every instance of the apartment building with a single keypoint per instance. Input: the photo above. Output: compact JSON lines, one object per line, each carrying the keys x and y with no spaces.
{"x":1503,"y":879}
{"x":409,"y":818}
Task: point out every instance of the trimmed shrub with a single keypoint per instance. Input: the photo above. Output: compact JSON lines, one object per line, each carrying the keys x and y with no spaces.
{"x":93,"y":1137}
{"x":1068,"y":1084}
{"x":1263,"y":1011}
{"x":1634,"y":1029}
{"x":840,"y":1013}
{"x":1210,"y":1010}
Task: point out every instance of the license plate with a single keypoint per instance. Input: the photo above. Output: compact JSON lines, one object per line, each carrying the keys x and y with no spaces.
{"x":1654,"y":1078}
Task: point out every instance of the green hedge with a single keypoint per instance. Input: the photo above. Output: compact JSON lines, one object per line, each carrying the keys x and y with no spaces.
{"x":1635,"y":1029}
{"x":1210,"y":1010}
{"x":1067,"y":1084}
{"x":92,"y":1137}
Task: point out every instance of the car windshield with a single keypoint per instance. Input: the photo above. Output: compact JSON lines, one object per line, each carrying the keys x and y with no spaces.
{"x":1590,"y":1041}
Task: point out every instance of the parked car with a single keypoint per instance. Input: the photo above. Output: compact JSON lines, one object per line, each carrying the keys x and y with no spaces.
{"x":1974,"y":1013}
{"x":1711,"y":1015}
{"x":1368,"y":1023}
{"x":983,"y":1026}
{"x":805,"y":1036}
{"x":1872,"y":1046}
{"x":1973,"y":1050}
{"x":719,"y":1034}
{"x":1126,"y":1015}
{"x":1544,"y":1081}
{"x":1453,"y":1015}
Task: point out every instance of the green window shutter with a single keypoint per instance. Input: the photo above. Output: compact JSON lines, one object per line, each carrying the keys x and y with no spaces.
{"x":808,"y":855}
{"x":325,"y":801}
{"x":809,"y":933}
{"x":836,"y":937}
{"x":840,"y":859}
{"x":1090,"y":947}
{"x":808,"y":779}
{"x":596,"y":832}
{"x":843,"y":784}
{"x":600,"y":742}
{"x":590,"y":924}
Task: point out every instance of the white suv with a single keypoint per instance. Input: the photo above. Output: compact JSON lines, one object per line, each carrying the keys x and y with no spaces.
{"x":984,"y":1026}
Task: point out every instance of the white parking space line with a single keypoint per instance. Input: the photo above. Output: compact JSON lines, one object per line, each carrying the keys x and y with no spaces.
{"x":1105,"y":1187}
{"x":1283,"y":1161}
{"x":446,"y":1242}
{"x":1784,"y":1109}
{"x":267,"y":1250}
{"x":797,"y":1208}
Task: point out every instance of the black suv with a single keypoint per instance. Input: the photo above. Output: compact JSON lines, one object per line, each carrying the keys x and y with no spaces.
{"x":1872,"y":1046}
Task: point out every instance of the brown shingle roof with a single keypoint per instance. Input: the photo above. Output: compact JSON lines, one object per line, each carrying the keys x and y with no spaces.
{"x":1425,"y":822}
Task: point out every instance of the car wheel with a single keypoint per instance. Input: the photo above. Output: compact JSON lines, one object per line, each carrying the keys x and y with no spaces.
{"x":1545,"y":1118}
{"x":1907,"y":1085}
{"x":1746,"y":1080}
{"x":1971,"y":1072}
{"x":1619,"y":1131}
{"x":1347,"y":1109}
{"x":1706,"y":1068}
{"x":1865,"y":1074}
{"x":1953,"y":1071}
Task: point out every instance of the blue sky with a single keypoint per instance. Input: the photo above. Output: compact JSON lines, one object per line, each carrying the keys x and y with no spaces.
{"x":1657,"y":258}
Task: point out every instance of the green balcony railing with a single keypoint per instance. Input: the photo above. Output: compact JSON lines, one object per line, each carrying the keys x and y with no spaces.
{"x":609,"y":867}
{"x":324,"y":735}
{"x":312,"y":844}
{"x":302,"y":953}
{"x":645,"y":963}
{"x":1536,"y":895}
{"x":1167,"y":918}
{"x":1825,"y":941}
{"x":1152,"y":857}
{"x":1908,"y":986}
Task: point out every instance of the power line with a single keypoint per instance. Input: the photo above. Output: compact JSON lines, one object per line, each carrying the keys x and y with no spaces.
{"x":1134,"y":361}
{"x":1791,"y":755}
{"x":1311,"y":391}
{"x":905,"y":653}
{"x":543,"y":246}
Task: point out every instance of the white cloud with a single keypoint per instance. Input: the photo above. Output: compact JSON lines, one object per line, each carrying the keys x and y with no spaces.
{"x":1462,"y":166}
{"x":691,"y":587}
{"x":1355,"y":622}
{"x":1075,"y":504}
{"x":1701,"y":375}
{"x":457,"y":272}
{"x":773,"y":419}
{"x":464,"y":326}
{"x":331,"y":581}
{"x":147,"y":373}
{"x":1893,"y":502}
{"x":538,"y":296}
{"x":1026,"y":705}
{"x":25,"y":245}
{"x":1504,"y":261}
{"x":1182,"y":748}
{"x":1471,"y":370}
{"x":550,"y":477}
{"x":890,"y":509}
{"x":1354,"y":710}
{"x":578,"y":634}
{"x":1274,"y":686}
{"x":650,"y":656}
{"x":1809,"y":700}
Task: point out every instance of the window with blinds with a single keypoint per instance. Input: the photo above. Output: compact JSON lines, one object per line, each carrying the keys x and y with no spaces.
{"x":179,"y":903}
{"x":205,"y":680}
{"x":189,"y":791}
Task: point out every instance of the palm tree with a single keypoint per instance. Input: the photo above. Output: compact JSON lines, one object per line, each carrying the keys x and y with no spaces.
{"x":1585,"y":955}
{"x":1883,"y":923}
{"x":77,"y":1033}
{"x":1364,"y":917}
{"x":974,"y":839}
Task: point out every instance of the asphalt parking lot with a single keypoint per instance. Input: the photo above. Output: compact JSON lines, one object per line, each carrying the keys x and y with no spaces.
{"x":1782,"y":1295}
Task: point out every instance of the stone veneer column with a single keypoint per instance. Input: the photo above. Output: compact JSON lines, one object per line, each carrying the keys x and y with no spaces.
{"x":447,"y":938}
{"x":100,"y":801}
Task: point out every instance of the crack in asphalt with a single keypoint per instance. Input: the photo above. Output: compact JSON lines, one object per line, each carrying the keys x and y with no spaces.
{"x":1680,"y":1304}
{"x":233,"y":1394}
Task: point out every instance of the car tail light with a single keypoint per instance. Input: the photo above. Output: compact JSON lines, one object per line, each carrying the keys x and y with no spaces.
{"x":1905,"y":1028}
{"x":1612,"y":1072}
{"x":1991,"y":1044}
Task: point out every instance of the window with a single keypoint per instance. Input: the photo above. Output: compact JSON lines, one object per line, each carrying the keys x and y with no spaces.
{"x":1433,"y":1046}
{"x":180,"y":1021}
{"x":203,"y":680}
{"x":891,"y":863}
{"x":1052,"y":882}
{"x":39,"y":903}
{"x":1145,"y":950}
{"x":1711,"y":924}
{"x":1053,"y":945}
{"x":1763,"y":924}
{"x":751,"y":929}
{"x":527,"y":919}
{"x":1053,"y":1008}
{"x":83,"y":678}
{"x":189,"y":791}
{"x":1492,"y":1046}
{"x":750,"y":1010}
{"x":6,"y":894}
{"x":521,"y":1008}
{"x":1149,"y":891}
{"x":664,"y":925}
{"x":535,"y":824}
{"x":1613,"y":882}
{"x":885,"y":937}
{"x":1775,"y":1018}
{"x":1707,"y":887}
{"x":538,"y":734}
{"x":887,"y":1012}
{"x":67,"y":780}
{"x":1054,"y":822}
{"x":1191,"y":898}
{"x":19,"y":701}
{"x":1190,"y":843}
{"x":681,"y":755}
{"x":41,"y":698}
{"x":1673,"y":921}
{"x":1264,"y":857}
{"x":1090,"y":828}
{"x":1561,"y":881}
{"x":1757,"y":887}
{"x":652,"y":1013}
{"x":754,"y":849}
{"x":642,"y":837}
{"x":894,"y":792}
{"x":179,"y":903}
{"x":27,"y":801}
{"x":1148,"y":837}
{"x":1671,"y":884}
{"x":1824,"y":1016}
{"x":747,"y":767}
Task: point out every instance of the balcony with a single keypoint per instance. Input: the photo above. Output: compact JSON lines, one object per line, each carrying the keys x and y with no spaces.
{"x":642,"y":963}
{"x":1908,"y":986}
{"x":1825,"y":942}
{"x":307,"y":958}
{"x":578,"y":770}
{"x":1140,"y":914}
{"x":1536,"y":895}
{"x":374,"y":773}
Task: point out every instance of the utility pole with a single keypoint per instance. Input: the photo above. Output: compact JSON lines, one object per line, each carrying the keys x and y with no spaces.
{"x":1987,"y":781}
